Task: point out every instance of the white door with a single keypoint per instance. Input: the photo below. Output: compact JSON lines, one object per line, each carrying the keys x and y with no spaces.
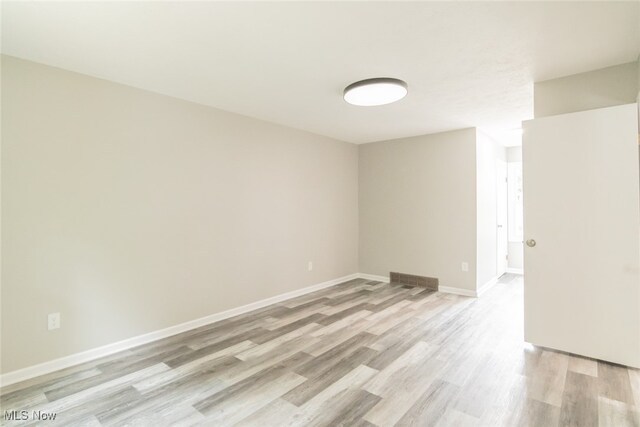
{"x":502,"y":214}
{"x":581,"y":207}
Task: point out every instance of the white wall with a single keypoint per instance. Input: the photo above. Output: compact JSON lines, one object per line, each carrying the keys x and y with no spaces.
{"x":418,"y":207}
{"x":128,"y":211}
{"x":488,"y":152}
{"x":516,"y":255}
{"x":638,"y":89}
{"x":515,"y":248}
{"x":638,"y":78}
{"x":514,"y":154}
{"x":606,"y":87}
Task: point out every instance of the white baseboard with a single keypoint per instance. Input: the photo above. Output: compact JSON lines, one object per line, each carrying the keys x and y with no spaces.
{"x":515,"y":270}
{"x":484,"y":288}
{"x":373,"y":277}
{"x":469,"y":292}
{"x":457,"y":291}
{"x":106,"y":350}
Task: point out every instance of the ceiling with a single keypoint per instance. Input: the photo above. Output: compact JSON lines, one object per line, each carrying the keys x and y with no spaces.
{"x":466,"y":63}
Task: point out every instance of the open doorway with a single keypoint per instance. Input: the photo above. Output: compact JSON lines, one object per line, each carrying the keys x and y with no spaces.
{"x":506,"y":222}
{"x":502,"y":215}
{"x":496,"y":149}
{"x":515,"y":229}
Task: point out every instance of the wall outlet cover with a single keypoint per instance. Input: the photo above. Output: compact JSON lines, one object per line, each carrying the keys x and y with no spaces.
{"x":53,"y":321}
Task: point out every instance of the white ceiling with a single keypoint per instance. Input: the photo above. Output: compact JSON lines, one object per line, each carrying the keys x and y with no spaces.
{"x":467,"y":64}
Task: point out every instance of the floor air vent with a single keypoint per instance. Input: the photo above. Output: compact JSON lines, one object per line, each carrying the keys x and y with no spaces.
{"x":410,"y":279}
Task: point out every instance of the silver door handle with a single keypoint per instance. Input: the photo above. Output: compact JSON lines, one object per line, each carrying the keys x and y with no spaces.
{"x":531,"y":243}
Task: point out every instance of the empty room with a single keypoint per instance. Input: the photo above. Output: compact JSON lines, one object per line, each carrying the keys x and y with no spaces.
{"x":373,"y":214}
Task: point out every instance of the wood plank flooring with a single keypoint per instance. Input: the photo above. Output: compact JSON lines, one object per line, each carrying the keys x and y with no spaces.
{"x":358,"y":354}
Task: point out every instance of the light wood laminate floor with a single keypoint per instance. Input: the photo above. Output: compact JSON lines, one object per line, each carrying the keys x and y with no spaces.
{"x":358,"y":354}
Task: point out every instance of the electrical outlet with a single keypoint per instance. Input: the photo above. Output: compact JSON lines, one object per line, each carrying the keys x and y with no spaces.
{"x":53,"y":321}
{"x":465,"y":266}
{"x":310,"y":266}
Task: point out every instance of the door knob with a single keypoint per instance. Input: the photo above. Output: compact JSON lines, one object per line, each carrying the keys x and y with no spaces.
{"x":531,"y":243}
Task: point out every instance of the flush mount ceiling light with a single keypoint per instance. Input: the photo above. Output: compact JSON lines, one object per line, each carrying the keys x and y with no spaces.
{"x":378,"y":91}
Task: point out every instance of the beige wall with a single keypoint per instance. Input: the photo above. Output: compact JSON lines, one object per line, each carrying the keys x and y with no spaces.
{"x":606,"y":87}
{"x":129,"y":212}
{"x":488,"y":153}
{"x":418,"y":207}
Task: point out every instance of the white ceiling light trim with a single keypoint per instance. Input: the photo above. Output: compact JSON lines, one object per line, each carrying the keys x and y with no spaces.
{"x":378,"y":91}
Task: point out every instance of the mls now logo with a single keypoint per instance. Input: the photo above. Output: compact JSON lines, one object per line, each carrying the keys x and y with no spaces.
{"x":24,"y":415}
{"x":16,"y":415}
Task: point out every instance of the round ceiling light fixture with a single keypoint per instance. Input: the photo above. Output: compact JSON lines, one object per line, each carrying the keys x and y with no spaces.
{"x":378,"y":91}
